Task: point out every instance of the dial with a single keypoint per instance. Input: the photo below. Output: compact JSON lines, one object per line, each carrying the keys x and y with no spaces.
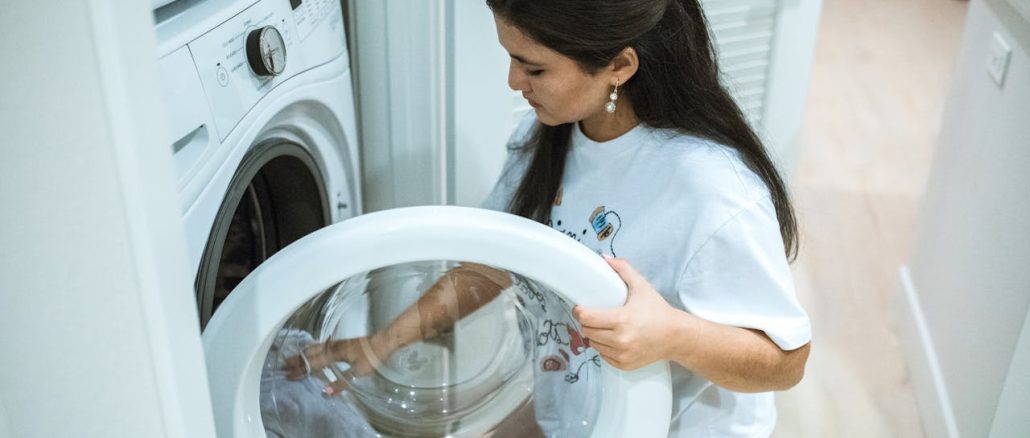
{"x":266,"y":51}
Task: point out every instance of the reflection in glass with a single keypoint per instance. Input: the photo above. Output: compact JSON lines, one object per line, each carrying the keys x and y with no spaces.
{"x":430,"y":349}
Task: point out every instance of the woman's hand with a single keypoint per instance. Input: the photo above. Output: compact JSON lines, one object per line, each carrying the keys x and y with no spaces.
{"x":364,"y":355}
{"x":644,"y":330}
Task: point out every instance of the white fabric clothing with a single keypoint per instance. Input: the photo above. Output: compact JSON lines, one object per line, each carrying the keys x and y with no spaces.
{"x":701,"y":227}
{"x":297,"y":408}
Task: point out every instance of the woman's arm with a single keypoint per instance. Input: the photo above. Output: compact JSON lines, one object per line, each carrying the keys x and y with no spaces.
{"x":738,"y":359}
{"x":647,"y":329}
{"x":456,"y":294}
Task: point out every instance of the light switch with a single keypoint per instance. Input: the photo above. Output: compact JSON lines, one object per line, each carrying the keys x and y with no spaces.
{"x":998,"y":60}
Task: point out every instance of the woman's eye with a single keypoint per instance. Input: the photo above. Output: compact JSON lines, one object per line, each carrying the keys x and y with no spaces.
{"x":535,"y":72}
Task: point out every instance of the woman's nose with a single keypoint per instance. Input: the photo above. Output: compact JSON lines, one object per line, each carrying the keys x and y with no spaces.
{"x":517,"y":79}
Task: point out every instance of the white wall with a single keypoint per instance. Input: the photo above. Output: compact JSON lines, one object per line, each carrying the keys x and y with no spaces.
{"x":797,"y":23}
{"x":400,"y":53}
{"x":434,"y":103}
{"x":482,"y":117}
{"x":100,"y":333}
{"x":1012,"y":419}
{"x":969,"y":276}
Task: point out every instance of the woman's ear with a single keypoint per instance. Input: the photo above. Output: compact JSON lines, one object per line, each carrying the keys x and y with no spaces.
{"x":624,"y":65}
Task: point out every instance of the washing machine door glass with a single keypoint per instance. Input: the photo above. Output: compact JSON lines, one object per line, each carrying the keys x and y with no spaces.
{"x":432,"y":348}
{"x":426,"y":321}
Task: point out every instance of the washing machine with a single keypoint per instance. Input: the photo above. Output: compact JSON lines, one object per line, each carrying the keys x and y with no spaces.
{"x":260,"y":104}
{"x":261,"y":109}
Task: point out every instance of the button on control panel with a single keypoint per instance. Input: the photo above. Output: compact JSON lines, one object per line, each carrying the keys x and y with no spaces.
{"x":223,"y":75}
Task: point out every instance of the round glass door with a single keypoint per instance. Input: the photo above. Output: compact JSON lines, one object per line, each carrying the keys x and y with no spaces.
{"x":432,"y":348}
{"x":425,"y":321}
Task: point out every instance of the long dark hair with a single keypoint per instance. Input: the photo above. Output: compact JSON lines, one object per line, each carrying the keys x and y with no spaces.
{"x":676,"y":86}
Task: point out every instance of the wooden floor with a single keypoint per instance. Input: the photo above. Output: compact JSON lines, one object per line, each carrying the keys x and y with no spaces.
{"x":880,"y":76}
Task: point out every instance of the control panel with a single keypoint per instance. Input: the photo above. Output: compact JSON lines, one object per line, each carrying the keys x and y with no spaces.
{"x":309,"y":14}
{"x":247,"y":56}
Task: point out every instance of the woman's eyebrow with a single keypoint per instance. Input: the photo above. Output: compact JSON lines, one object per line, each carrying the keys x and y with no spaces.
{"x":522,"y":60}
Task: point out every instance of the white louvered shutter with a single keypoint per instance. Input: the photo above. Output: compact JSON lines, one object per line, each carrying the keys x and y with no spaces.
{"x":743,"y":35}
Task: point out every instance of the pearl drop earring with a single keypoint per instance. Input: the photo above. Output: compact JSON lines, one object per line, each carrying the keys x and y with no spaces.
{"x":612,"y":98}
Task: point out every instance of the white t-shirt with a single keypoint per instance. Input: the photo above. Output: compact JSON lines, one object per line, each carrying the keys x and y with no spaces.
{"x":701,"y":227}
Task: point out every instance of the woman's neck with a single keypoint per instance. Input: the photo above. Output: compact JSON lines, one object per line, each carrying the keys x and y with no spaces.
{"x":603,"y":126}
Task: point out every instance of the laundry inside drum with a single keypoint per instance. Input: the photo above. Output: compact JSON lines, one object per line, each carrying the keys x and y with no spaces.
{"x":433,"y":348}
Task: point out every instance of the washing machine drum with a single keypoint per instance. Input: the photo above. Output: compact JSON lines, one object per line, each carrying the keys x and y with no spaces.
{"x":426,"y":321}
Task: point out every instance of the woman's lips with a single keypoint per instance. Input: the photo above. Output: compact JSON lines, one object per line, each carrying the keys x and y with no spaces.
{"x":532,"y":103}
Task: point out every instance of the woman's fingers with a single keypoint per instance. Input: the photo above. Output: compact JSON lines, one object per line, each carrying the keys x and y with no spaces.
{"x":622,"y":359}
{"x":627,"y":272}
{"x":294,"y":368}
{"x":598,"y":318}
{"x":609,"y":355}
{"x":316,"y":356}
{"x":338,"y":386}
{"x":605,"y":337}
{"x":605,"y":350}
{"x":312,"y":357}
{"x":297,"y":367}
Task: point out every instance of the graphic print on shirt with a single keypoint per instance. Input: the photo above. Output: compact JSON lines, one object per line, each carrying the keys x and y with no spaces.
{"x":557,"y":334}
{"x":560,"y":228}
{"x":603,"y":225}
{"x":603,"y":228}
{"x":566,"y":371}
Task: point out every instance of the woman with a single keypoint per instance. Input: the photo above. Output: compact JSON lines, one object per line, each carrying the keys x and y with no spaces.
{"x":635,"y":150}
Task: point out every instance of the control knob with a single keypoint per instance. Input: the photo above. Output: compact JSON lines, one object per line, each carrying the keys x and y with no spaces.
{"x":266,"y":51}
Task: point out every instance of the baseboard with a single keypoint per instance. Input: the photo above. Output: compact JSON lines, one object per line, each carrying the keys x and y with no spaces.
{"x":921,"y":357}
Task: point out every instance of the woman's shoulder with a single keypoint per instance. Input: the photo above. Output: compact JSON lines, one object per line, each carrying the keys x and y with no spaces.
{"x":704,"y":170}
{"x":708,"y":186}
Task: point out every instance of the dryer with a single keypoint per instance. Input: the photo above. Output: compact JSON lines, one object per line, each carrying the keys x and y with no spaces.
{"x":261,"y":109}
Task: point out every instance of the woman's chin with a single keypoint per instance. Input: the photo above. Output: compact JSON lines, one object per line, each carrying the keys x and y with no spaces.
{"x":546,"y":119}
